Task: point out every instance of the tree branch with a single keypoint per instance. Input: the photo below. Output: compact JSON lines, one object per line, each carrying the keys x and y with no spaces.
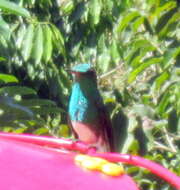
{"x":163,"y":147}
{"x":112,"y":71}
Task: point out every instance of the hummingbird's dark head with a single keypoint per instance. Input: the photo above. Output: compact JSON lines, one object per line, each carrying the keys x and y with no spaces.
{"x":83,"y":70}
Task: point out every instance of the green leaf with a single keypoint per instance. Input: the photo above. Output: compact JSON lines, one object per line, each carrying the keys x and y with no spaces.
{"x":11,"y":109}
{"x":58,"y":39}
{"x":67,"y":7}
{"x":114,"y":51}
{"x":46,"y":110}
{"x":2,"y":59}
{"x":64,"y":130}
{"x":8,"y":78}
{"x":64,"y":79}
{"x":126,"y":20}
{"x":47,"y":41}
{"x":95,"y":11}
{"x":101,"y":44}
{"x":129,"y":140}
{"x":4,"y":29}
{"x":37,"y":49}
{"x":164,"y":20}
{"x":178,"y":125}
{"x":7,"y":129}
{"x":132,"y":54}
{"x":142,"y":68}
{"x":140,"y":48}
{"x":28,"y":42}
{"x":132,"y":170}
{"x":143,"y":43}
{"x":163,"y":104}
{"x":14,"y":90}
{"x":37,"y":102}
{"x":165,"y":7}
{"x":137,"y":23}
{"x":20,"y":130}
{"x":4,"y":45}
{"x":168,"y":85}
{"x":173,"y":17}
{"x":13,"y":8}
{"x":104,"y":61}
{"x":169,"y":56}
{"x":134,"y":147}
{"x":41,"y":131}
{"x":161,"y":79}
{"x":20,"y":36}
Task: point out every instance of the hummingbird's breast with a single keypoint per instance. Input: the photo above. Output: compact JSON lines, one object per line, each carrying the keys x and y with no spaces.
{"x":81,"y":106}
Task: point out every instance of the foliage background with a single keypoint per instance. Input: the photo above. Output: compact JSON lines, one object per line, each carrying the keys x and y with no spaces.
{"x":135,"y":48}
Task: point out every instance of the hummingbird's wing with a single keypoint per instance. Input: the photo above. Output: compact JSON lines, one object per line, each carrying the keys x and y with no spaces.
{"x":71,"y":127}
{"x":105,"y":124}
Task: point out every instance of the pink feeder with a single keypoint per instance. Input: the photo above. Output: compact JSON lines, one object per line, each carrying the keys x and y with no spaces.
{"x":33,"y":163}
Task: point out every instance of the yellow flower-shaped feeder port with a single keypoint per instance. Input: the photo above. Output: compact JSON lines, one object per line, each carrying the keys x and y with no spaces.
{"x":99,"y":164}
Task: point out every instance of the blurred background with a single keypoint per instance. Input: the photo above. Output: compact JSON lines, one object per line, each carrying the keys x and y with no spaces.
{"x":134,"y":46}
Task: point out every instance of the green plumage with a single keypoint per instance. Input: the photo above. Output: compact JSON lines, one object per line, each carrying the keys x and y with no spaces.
{"x":84,"y":99}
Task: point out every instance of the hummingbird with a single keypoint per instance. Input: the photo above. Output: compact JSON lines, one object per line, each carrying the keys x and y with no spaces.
{"x":88,"y":116}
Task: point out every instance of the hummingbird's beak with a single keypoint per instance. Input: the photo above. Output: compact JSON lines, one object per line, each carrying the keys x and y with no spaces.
{"x":71,"y":71}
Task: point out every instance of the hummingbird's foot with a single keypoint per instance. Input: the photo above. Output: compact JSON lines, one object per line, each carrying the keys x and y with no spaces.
{"x":82,"y":147}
